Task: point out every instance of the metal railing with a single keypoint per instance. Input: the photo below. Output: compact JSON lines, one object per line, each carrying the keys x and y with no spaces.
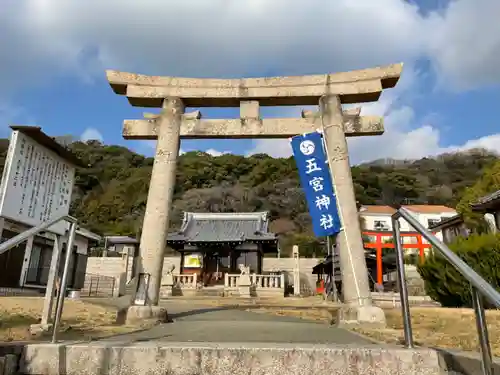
{"x":21,"y":237}
{"x":479,"y":286}
{"x":98,"y":286}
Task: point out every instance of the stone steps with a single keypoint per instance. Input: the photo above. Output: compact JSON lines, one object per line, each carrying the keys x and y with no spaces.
{"x":134,"y":357}
{"x":102,"y":358}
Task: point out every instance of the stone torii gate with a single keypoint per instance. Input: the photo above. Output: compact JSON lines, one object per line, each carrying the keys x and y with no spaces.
{"x":329,"y":91}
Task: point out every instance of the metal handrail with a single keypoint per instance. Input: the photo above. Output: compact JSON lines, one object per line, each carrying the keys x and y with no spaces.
{"x":479,"y":286}
{"x":465,"y":270}
{"x":21,"y":237}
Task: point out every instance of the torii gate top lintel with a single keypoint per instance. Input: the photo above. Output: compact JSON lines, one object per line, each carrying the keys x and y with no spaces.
{"x":356,"y":86}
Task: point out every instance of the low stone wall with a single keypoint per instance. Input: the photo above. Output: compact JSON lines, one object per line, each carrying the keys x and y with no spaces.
{"x":414,"y":283}
{"x":101,"y":358}
{"x":96,"y":285}
{"x":391,"y":299}
{"x":105,"y":266}
{"x":116,"y":266}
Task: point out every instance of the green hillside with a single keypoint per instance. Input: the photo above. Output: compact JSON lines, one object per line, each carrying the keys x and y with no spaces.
{"x":110,"y":195}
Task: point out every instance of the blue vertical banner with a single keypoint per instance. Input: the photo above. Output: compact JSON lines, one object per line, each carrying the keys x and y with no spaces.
{"x":315,"y":179}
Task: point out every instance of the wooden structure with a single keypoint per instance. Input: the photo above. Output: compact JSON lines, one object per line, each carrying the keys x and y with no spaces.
{"x":383,"y":240}
{"x":377,"y":264}
{"x":451,"y":228}
{"x":455,"y":226}
{"x":214,"y":244}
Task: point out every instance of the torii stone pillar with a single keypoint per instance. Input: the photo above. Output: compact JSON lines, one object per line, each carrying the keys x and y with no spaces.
{"x":161,"y":190}
{"x":355,"y":286}
{"x":249,"y":94}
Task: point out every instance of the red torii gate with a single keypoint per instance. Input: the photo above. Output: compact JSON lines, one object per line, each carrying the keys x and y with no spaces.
{"x":379,"y":244}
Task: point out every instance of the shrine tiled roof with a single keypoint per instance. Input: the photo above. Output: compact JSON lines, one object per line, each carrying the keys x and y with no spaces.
{"x":223,"y":227}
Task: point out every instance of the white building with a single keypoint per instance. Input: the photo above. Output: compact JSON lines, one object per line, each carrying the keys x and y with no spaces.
{"x":378,"y":218}
{"x":27,"y":265}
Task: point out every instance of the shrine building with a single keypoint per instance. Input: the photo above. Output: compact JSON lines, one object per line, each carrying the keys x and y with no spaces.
{"x":214,"y":244}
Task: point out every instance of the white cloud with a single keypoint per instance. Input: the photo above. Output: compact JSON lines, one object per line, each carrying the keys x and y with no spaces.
{"x":277,"y":148}
{"x":91,"y":134}
{"x":235,"y":38}
{"x":403,"y":137}
{"x":464,"y":43}
{"x":214,"y":152}
{"x":150,"y":147}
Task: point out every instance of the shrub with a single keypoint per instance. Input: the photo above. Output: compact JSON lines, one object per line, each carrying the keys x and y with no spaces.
{"x":444,"y":284}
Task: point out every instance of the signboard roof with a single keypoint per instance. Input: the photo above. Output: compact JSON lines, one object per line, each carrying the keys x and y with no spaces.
{"x":37,"y":180}
{"x":36,"y":133}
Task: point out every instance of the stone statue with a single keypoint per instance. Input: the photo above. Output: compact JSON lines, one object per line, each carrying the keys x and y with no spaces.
{"x":244,"y":270}
{"x":244,"y":282}
{"x":170,"y":270}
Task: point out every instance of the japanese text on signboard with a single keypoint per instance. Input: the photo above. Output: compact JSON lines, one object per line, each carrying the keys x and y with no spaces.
{"x":36,"y":184}
{"x":316,"y":183}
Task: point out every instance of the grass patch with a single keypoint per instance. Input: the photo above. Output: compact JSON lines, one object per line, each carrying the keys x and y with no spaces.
{"x":439,"y":327}
{"x":80,"y":321}
{"x":432,"y":326}
{"x":318,"y":314}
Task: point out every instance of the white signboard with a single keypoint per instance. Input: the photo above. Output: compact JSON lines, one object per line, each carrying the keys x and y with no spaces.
{"x":36,"y":184}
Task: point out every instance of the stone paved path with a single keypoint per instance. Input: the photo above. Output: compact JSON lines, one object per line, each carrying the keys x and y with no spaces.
{"x":223,"y":324}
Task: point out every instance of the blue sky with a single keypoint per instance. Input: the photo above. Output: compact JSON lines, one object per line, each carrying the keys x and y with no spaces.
{"x":55,"y":52}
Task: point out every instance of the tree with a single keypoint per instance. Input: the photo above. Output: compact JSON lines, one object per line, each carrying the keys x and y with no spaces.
{"x":444,"y":284}
{"x":110,"y":195}
{"x":309,"y":246}
{"x":488,"y":183}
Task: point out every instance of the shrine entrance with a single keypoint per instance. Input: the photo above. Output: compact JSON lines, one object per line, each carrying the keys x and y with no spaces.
{"x":328,"y":91}
{"x":222,"y":242}
{"x":215,"y":267}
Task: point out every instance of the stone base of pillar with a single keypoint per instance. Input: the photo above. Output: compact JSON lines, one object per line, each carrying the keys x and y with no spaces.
{"x":370,"y":315}
{"x":135,"y":314}
{"x":245,"y":286}
{"x":40,"y":329}
{"x":245,"y":291}
{"x":167,"y":291}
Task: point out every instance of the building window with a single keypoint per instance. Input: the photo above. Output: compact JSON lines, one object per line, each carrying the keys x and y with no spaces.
{"x":381,"y":225}
{"x":39,"y":262}
{"x":72,"y":264}
{"x":432,"y":222}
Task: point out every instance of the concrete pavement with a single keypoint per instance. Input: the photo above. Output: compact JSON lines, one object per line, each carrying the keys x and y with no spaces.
{"x":227,"y":324}
{"x":228,"y":340}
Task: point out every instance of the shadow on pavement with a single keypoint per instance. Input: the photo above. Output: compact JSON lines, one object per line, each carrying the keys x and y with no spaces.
{"x":183,"y":314}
